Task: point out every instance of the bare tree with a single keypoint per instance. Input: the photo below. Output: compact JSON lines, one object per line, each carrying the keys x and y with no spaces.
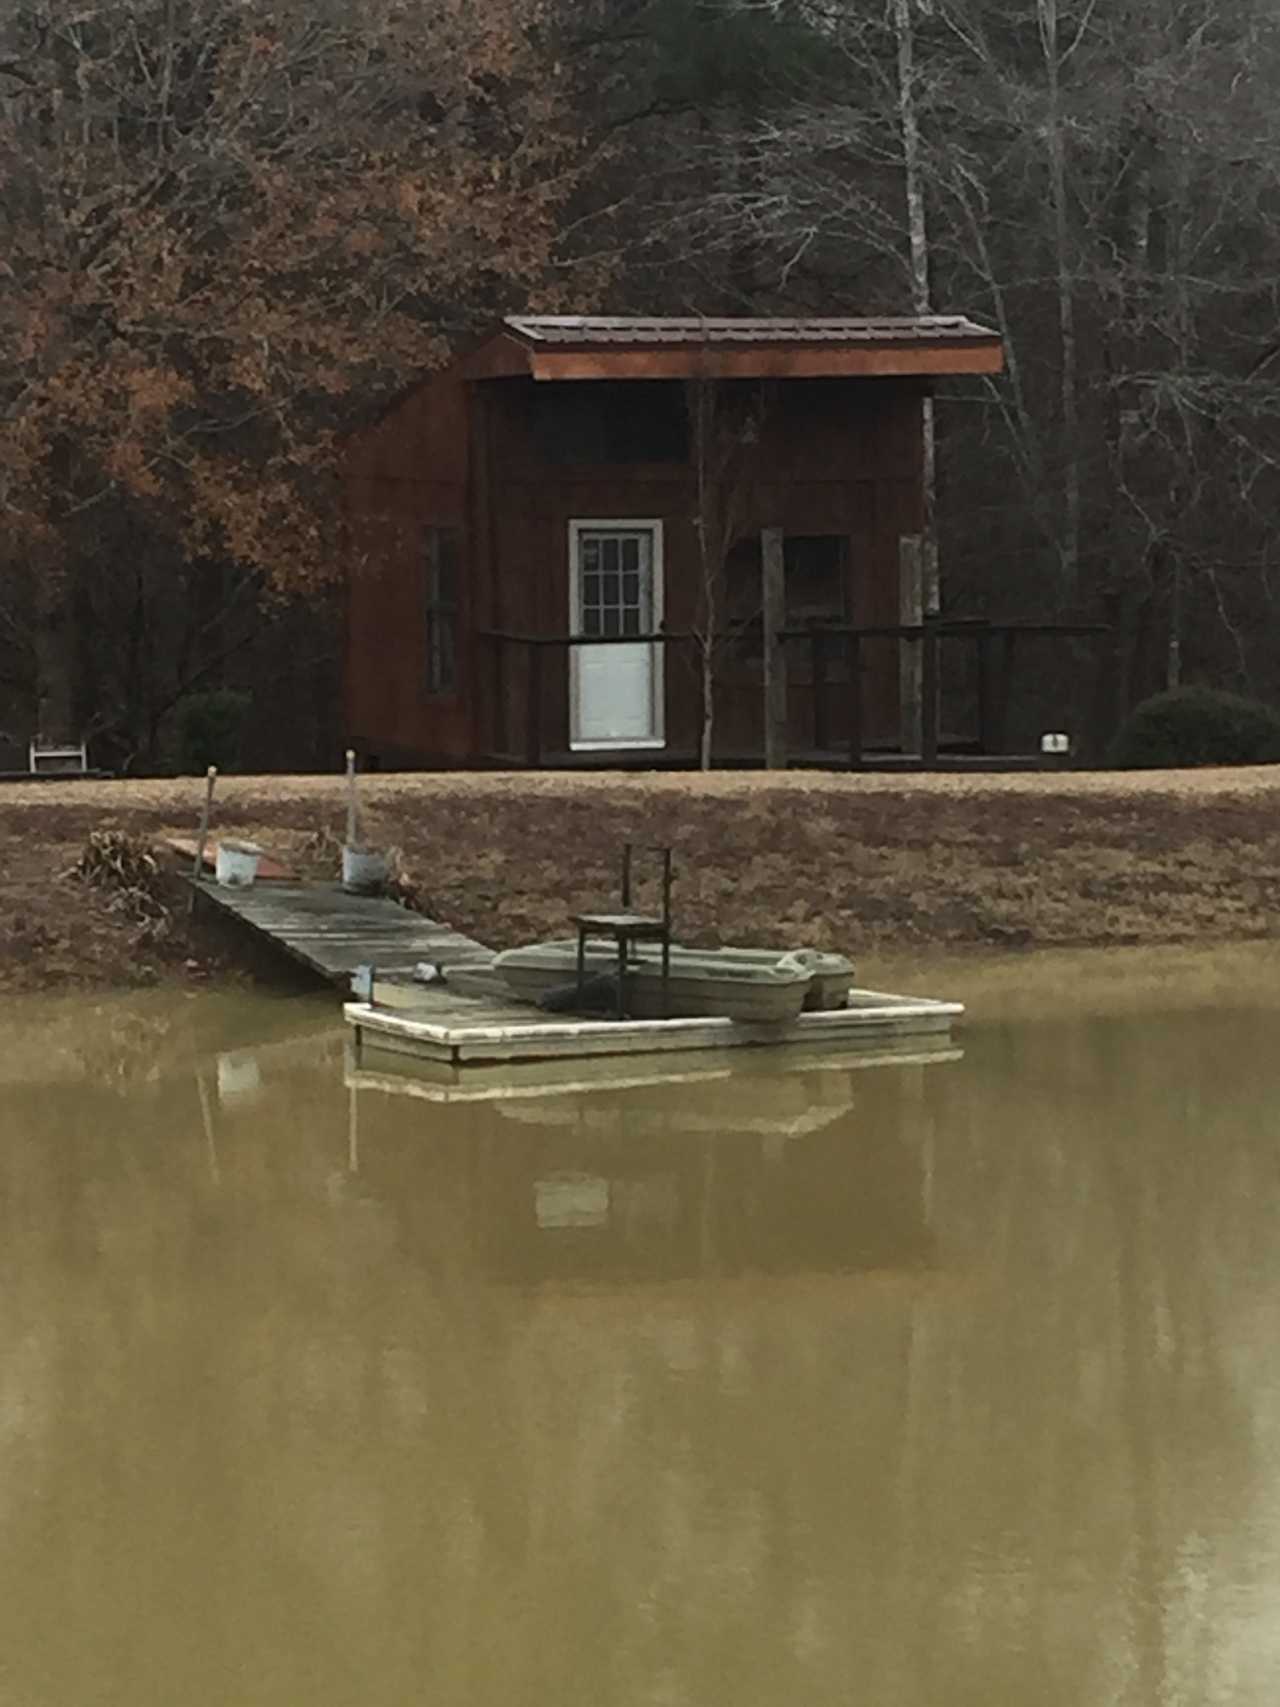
{"x":225,"y":224}
{"x":913,"y":165}
{"x":726,"y":420}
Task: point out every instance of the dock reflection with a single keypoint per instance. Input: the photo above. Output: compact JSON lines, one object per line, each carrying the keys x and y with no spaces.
{"x":817,"y":1170}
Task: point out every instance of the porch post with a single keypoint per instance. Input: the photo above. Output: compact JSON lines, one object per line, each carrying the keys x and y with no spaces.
{"x":773,"y":605}
{"x":910,"y":658}
{"x":929,"y":696}
{"x":533,"y":714}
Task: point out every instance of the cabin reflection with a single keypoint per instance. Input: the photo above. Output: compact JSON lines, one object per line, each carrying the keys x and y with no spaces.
{"x":809,"y":1172}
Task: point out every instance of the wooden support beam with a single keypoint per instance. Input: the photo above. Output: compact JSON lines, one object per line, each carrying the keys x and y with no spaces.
{"x":500,"y":736}
{"x":910,"y":661}
{"x":533,"y":713}
{"x":855,"y":703}
{"x":1001,"y":693}
{"x":929,"y":683}
{"x":985,"y":696}
{"x":773,"y":604}
{"x":818,"y":675}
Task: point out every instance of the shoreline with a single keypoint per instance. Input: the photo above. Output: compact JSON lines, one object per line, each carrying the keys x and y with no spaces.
{"x":881,"y":867}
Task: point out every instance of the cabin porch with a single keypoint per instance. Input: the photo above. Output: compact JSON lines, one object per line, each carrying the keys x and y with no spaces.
{"x":929,"y":695}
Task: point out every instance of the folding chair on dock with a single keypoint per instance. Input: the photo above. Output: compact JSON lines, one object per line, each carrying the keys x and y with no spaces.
{"x":627,"y":928}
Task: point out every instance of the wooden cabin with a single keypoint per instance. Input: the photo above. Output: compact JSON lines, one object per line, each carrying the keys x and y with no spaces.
{"x":548,"y":534}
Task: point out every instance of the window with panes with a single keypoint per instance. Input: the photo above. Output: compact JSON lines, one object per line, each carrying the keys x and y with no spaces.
{"x":615,"y":588}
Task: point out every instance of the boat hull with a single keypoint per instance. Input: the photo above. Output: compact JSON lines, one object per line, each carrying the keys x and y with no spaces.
{"x":700,"y":986}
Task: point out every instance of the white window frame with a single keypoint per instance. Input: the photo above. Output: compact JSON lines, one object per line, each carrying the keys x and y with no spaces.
{"x":651,"y":525}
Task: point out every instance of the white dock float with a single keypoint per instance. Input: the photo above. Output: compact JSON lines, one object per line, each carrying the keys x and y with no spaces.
{"x":455,"y":1031}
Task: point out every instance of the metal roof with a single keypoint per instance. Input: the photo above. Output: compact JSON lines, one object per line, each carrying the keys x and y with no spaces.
{"x":592,"y":330}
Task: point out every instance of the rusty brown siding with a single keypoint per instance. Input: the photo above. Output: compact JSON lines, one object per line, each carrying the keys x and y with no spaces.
{"x":408,"y":473}
{"x":843,"y":458}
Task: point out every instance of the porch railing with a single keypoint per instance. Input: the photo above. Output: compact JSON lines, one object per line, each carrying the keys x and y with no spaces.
{"x":995,"y":647}
{"x":536,"y":646}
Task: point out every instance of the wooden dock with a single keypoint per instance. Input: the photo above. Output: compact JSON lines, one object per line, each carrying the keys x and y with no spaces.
{"x":333,"y":933}
{"x":471,"y":1020}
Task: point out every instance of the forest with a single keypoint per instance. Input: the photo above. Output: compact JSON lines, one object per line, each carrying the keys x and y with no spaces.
{"x":231,"y":229}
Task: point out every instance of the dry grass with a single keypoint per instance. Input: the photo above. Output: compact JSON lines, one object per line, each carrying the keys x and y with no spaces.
{"x":875,"y":863}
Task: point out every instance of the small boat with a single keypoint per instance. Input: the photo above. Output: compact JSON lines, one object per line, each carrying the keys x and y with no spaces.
{"x":747,"y":985}
{"x":830,"y":975}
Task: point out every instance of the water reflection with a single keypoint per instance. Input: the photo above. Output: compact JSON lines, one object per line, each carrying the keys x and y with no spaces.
{"x":916,"y":1384}
{"x":751,"y":1172}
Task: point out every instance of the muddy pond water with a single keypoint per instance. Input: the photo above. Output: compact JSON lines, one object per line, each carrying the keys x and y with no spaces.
{"x":929,"y":1385}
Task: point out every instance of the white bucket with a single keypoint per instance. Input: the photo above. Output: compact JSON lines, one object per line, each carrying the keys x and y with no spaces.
{"x":364,"y":872}
{"x":237,"y":864}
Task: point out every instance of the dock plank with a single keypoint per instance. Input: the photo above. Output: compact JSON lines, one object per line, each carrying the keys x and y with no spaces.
{"x":333,"y":933}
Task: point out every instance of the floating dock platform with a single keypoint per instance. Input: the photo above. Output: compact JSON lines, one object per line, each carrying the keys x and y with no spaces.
{"x":471,"y":1020}
{"x":525,"y":1082}
{"x":451,"y":1030}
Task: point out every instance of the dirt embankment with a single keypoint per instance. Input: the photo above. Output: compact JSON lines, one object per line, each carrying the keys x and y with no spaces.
{"x":877,"y":865}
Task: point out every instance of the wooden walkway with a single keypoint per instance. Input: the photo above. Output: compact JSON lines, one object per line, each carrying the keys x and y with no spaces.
{"x":333,"y":933}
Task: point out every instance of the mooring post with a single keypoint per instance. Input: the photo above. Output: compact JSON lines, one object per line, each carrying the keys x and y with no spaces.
{"x":211,"y":777}
{"x":353,"y":810}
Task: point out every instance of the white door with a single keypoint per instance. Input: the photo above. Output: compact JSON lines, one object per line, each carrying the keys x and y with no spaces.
{"x":615,"y":590}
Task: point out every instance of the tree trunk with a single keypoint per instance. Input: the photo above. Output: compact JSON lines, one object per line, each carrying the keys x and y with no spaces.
{"x":706,"y":650}
{"x":52,"y":645}
{"x":921,"y":291}
{"x":1068,"y":385}
{"x":1173,"y":654}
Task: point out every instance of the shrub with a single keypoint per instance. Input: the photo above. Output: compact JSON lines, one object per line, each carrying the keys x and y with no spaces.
{"x":1197,"y":726}
{"x":210,"y":726}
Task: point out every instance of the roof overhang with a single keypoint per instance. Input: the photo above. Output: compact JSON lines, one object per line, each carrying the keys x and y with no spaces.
{"x":618,"y":349}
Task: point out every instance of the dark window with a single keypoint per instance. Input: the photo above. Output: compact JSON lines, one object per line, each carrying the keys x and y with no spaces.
{"x":817,"y":584}
{"x":441,"y":553}
{"x":600,"y":420}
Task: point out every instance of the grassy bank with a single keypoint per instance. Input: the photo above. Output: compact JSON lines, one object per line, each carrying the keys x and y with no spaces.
{"x":876,"y":864}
